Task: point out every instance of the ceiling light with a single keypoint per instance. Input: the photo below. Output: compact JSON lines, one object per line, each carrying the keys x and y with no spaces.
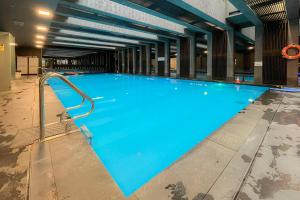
{"x":42,"y":28}
{"x":98,"y":36}
{"x":13,"y":44}
{"x":39,"y":42}
{"x":109,"y":28}
{"x":39,"y":46}
{"x":40,"y":37}
{"x":44,"y":13}
{"x":133,"y":15}
{"x":82,"y":45}
{"x":89,"y":41}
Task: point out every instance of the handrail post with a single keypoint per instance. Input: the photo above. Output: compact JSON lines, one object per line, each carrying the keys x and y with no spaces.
{"x":42,"y":109}
{"x":42,"y":97}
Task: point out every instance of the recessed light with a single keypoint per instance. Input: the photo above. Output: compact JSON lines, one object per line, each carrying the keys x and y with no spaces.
{"x":42,"y":28}
{"x":44,"y":13}
{"x":40,"y":37}
{"x":39,"y":42}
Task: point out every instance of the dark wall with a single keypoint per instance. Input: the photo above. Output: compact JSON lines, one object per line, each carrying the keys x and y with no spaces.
{"x":161,"y":64}
{"x":184,"y":57}
{"x":104,"y":61}
{"x":219,"y":55}
{"x":275,"y":67}
{"x":201,"y":60}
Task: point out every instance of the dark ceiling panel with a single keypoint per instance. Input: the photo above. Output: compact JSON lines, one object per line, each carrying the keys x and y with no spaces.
{"x":269,"y":10}
{"x":19,"y":18}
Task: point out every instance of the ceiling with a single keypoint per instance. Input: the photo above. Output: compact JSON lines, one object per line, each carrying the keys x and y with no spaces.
{"x":91,"y":25}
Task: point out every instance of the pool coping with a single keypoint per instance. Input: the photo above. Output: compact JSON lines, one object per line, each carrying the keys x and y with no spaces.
{"x":50,"y":172}
{"x":218,"y":189}
{"x":228,"y":182}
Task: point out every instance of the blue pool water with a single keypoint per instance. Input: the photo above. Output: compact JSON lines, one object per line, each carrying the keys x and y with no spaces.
{"x":141,"y":125}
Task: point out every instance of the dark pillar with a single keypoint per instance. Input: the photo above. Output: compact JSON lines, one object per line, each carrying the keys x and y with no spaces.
{"x":274,"y":65}
{"x":184,"y":57}
{"x":161,"y":58}
{"x":219,"y":55}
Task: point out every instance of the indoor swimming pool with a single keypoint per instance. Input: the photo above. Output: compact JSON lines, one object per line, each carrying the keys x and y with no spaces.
{"x":141,"y":125}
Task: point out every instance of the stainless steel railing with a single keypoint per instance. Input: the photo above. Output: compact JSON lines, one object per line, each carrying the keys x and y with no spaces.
{"x":42,"y":106}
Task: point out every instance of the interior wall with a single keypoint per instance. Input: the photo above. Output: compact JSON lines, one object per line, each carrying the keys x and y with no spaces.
{"x":5,"y":60}
{"x":275,"y":67}
{"x":29,"y":52}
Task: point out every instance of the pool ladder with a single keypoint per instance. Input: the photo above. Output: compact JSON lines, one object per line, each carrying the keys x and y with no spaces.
{"x":64,"y":116}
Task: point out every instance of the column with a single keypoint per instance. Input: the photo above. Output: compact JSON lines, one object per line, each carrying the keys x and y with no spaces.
{"x":167,"y":58}
{"x":134,"y":60}
{"x":292,"y":7}
{"x":141,"y":60}
{"x":123,"y":61}
{"x":209,"y":56}
{"x":258,"y":54}
{"x":178,"y":58}
{"x":128,"y":61}
{"x":5,"y":60}
{"x":160,"y":70}
{"x":230,"y":55}
{"x":148,"y":59}
{"x":156,"y":59}
{"x":192,"y":52}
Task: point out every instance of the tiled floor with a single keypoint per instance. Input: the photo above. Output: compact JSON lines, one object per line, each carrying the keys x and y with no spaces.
{"x":67,"y":168}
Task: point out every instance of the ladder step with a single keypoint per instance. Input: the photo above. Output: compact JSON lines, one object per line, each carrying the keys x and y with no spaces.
{"x":86,"y":133}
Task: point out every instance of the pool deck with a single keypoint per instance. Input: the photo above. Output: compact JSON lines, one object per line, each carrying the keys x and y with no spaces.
{"x":256,"y":155}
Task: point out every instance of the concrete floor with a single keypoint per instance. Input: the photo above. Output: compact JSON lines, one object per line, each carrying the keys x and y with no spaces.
{"x":256,"y":155}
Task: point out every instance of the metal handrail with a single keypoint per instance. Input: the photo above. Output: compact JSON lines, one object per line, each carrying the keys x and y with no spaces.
{"x":41,"y":100}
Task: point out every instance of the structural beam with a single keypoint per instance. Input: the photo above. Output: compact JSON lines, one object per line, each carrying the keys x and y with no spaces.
{"x":157,"y":14}
{"x":242,"y":6}
{"x":200,"y":12}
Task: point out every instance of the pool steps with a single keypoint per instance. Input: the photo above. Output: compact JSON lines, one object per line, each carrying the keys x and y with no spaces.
{"x":64,"y":116}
